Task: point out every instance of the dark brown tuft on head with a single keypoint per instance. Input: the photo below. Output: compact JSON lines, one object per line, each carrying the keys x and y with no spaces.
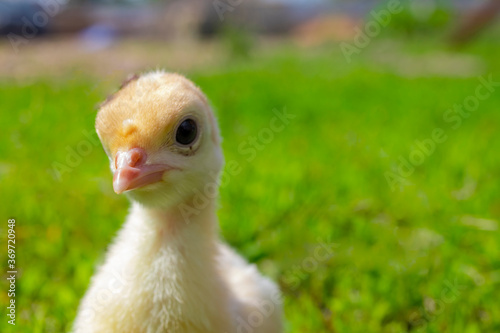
{"x":130,"y":78}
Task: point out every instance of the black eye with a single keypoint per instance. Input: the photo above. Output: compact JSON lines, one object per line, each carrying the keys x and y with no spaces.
{"x":186,"y":132}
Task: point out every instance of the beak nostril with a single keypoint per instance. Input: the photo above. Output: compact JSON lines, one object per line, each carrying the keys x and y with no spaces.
{"x":134,"y":157}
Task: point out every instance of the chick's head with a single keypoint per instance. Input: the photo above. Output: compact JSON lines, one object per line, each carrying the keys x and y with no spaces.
{"x":161,"y":138}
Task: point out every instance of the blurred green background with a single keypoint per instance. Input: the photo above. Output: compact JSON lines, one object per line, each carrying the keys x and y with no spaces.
{"x":418,"y":256}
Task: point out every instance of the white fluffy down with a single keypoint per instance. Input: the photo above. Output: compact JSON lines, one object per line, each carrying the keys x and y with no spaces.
{"x":153,"y":282}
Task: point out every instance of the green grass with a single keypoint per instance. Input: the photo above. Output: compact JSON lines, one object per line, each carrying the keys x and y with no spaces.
{"x":321,"y":180}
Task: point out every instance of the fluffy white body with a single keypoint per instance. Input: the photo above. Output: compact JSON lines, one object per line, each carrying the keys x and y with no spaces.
{"x":165,"y":272}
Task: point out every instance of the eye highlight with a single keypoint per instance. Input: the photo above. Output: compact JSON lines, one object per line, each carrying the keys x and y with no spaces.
{"x":186,"y":132}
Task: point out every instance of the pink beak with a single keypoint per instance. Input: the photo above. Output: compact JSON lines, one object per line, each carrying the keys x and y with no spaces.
{"x":132,"y":171}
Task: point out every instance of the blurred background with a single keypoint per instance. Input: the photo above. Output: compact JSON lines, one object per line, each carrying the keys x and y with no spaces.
{"x":375,"y":208}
